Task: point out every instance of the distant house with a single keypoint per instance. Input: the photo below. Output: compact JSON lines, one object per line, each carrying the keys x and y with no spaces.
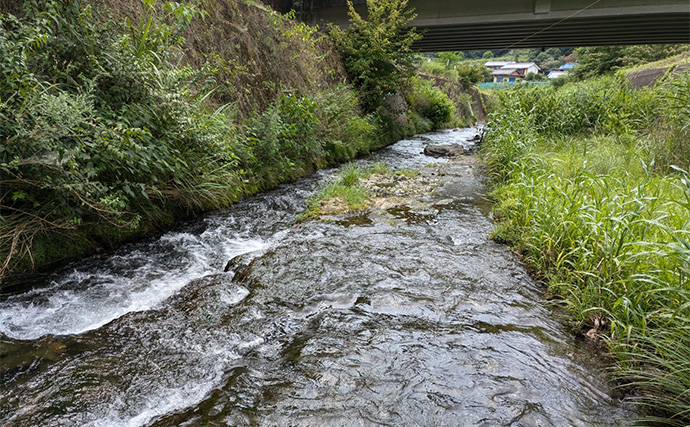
{"x":562,"y":70}
{"x":514,"y":72}
{"x":495,"y":65}
{"x":556,"y":74}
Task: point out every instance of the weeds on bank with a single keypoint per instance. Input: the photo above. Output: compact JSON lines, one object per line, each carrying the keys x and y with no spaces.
{"x":589,"y":198}
{"x":106,"y":136}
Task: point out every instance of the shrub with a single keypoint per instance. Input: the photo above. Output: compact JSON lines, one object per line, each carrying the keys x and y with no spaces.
{"x":376,"y":51}
{"x":598,"y":61}
{"x":431,"y":103}
{"x":100,"y":128}
{"x":436,"y":68}
{"x":535,"y":77}
{"x":106,"y":136}
{"x":470,"y":76}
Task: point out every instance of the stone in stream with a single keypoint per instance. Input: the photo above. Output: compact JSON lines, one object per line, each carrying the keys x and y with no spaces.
{"x":237,"y":263}
{"x":446,"y":150}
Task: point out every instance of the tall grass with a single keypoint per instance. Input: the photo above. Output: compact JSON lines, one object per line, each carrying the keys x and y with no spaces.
{"x":602,"y":216}
{"x":107,"y":135}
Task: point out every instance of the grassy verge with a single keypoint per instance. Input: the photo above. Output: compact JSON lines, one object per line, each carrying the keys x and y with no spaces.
{"x":591,"y":189}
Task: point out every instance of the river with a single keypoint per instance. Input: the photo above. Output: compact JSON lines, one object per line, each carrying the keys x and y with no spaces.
{"x":397,"y":317}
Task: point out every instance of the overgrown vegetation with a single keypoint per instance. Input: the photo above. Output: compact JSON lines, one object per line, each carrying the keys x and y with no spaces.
{"x":113,"y":127}
{"x":376,"y":50}
{"x":431,"y":103}
{"x":602,"y":60}
{"x":466,"y":75}
{"x":378,"y":61}
{"x":119,"y":119}
{"x":98,"y":128}
{"x":592,"y":189}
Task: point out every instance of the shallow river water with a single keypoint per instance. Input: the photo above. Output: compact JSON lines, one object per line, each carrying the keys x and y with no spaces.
{"x":396,"y":317}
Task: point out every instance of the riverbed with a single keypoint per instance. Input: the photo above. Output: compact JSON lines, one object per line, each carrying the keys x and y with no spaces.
{"x":403,"y":315}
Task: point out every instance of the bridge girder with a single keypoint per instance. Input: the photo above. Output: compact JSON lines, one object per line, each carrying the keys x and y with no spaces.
{"x":502,"y":24}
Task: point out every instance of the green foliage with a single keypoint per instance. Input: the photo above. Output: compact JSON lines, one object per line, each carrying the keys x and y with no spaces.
{"x":562,"y":80}
{"x":376,"y":51}
{"x":431,"y":103}
{"x":470,"y":76}
{"x":580,"y":197}
{"x":604,"y":104}
{"x":298,"y":134}
{"x":661,"y":351}
{"x":466,"y":75}
{"x":597,"y":61}
{"x":535,"y":77}
{"x":436,"y":68}
{"x":98,"y":127}
{"x":343,"y":131}
{"x":450,"y":59}
{"x":105,"y":136}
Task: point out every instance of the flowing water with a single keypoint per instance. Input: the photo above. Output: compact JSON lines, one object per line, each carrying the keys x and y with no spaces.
{"x":400,"y":316}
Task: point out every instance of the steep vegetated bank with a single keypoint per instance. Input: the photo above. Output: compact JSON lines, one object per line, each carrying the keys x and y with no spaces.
{"x":592,"y":188}
{"x":119,"y":117}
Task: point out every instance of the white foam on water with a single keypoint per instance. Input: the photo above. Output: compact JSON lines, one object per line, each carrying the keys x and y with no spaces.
{"x":81,"y":301}
{"x":168,"y":400}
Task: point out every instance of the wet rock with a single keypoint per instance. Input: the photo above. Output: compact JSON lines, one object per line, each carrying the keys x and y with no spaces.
{"x":385,"y":203}
{"x":237,"y":263}
{"x":334,"y":206}
{"x":444,"y":150}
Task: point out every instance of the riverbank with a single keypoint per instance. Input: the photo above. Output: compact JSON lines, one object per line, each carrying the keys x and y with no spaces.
{"x":124,"y":118}
{"x":396,"y":315}
{"x":591,"y":187}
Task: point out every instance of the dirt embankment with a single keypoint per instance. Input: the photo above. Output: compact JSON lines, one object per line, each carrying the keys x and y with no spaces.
{"x":647,"y":78}
{"x":255,"y":53}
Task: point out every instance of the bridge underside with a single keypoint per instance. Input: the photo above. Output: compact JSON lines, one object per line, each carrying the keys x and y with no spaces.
{"x":624,"y":30}
{"x":502,"y":24}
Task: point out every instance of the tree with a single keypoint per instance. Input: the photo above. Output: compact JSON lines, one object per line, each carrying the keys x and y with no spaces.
{"x":535,"y":77}
{"x":595,"y":61}
{"x":376,"y":51}
{"x":449,"y":59}
{"x":488,"y":55}
{"x":469,"y":76}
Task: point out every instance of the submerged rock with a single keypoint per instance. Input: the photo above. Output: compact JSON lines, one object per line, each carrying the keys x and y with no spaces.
{"x":444,"y":150}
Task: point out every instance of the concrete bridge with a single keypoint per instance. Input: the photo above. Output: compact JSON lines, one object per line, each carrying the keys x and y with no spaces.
{"x":451,"y":25}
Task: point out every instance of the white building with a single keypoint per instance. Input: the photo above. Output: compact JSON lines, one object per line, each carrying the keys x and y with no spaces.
{"x":514,"y":72}
{"x":556,"y":74}
{"x":495,"y":65}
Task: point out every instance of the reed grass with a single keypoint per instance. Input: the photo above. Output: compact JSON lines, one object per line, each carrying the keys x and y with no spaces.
{"x":586,"y":197}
